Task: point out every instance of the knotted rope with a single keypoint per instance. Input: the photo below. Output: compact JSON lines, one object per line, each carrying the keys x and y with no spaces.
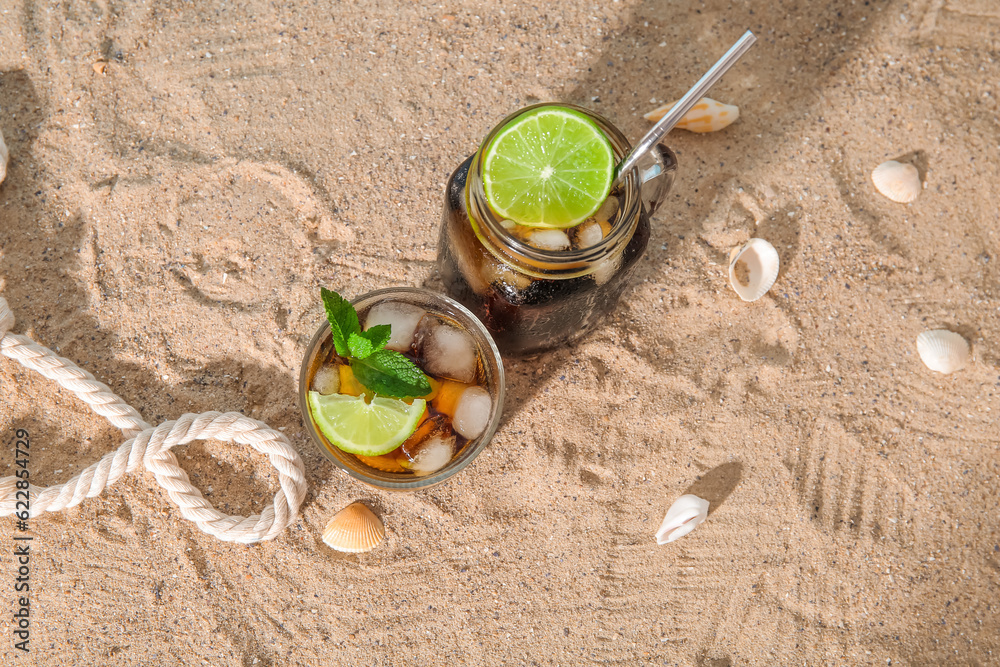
{"x":151,"y":446}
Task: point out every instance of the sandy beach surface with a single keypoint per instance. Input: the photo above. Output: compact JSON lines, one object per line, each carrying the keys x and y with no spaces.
{"x":184,"y":176}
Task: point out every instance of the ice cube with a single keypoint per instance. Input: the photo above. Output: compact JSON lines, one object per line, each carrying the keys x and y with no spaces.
{"x":549,"y":239}
{"x":588,"y":234}
{"x":473,"y":412}
{"x":327,"y":380}
{"x":403,"y":318}
{"x":446,"y":350}
{"x":606,"y":213}
{"x":606,"y":270}
{"x":520,"y":232}
{"x":432,"y":454}
{"x":495,"y":272}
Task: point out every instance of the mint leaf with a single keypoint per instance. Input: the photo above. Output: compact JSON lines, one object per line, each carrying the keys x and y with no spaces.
{"x":360,"y":346}
{"x":343,"y":320}
{"x":389,"y":373}
{"x":364,"y":343}
{"x":382,"y":371}
{"x":378,"y":335}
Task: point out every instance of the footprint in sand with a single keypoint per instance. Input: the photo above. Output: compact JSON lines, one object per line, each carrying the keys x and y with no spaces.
{"x":230,"y":233}
{"x":848,"y":491}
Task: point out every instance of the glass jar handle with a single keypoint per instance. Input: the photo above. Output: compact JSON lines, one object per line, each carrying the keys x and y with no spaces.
{"x":656,"y":171}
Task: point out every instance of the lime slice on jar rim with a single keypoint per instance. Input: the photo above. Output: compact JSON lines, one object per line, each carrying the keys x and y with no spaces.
{"x":359,"y":427}
{"x":549,"y":167}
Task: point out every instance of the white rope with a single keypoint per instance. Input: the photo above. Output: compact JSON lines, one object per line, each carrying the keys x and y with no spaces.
{"x":151,"y":446}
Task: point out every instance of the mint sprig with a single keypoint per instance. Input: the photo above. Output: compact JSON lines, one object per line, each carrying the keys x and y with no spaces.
{"x":385,"y":372}
{"x":389,"y":373}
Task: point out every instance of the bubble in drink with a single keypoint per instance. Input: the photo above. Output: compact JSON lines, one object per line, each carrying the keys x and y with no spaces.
{"x":327,"y":380}
{"x":402,"y":317}
{"x":472,"y":413}
{"x":446,"y":350}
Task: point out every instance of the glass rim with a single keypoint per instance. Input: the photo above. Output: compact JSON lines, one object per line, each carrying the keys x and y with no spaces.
{"x":470,"y":452}
{"x":627,"y":218}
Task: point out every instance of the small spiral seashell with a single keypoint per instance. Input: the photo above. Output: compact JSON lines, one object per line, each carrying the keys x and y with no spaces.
{"x":354,"y":529}
{"x":684,"y":515}
{"x":753,"y":270}
{"x":898,"y":181}
{"x":943,"y":351}
{"x":705,"y":116}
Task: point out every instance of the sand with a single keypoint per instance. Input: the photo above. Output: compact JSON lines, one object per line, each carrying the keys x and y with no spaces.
{"x":168,"y":217}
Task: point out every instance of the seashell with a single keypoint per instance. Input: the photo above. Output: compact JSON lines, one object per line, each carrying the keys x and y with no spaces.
{"x":3,"y":158}
{"x":943,"y":351}
{"x":354,"y":529}
{"x":753,"y":269}
{"x":705,"y":116}
{"x":898,"y":181}
{"x":684,"y":515}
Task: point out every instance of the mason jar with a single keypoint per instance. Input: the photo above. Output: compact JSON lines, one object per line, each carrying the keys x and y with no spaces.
{"x":488,"y":374}
{"x":532,"y":298}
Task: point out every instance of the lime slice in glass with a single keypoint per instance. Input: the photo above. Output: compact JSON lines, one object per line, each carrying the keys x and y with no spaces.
{"x":549,"y":167}
{"x":368,"y":429}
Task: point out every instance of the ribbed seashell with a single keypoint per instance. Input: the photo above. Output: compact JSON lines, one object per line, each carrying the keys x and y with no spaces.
{"x":943,"y":351}
{"x":753,"y":269}
{"x":898,"y":181}
{"x":705,"y":116}
{"x":3,"y":158}
{"x":684,"y":515}
{"x":354,"y":529}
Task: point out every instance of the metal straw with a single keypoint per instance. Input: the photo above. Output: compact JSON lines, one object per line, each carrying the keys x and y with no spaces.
{"x":684,"y":105}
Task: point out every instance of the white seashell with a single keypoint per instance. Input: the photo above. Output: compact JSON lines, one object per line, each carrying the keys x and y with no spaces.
{"x":753,"y":269}
{"x":943,"y":351}
{"x":354,"y":529}
{"x":705,"y":116}
{"x":684,"y":515}
{"x":4,"y":154}
{"x":898,"y":181}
